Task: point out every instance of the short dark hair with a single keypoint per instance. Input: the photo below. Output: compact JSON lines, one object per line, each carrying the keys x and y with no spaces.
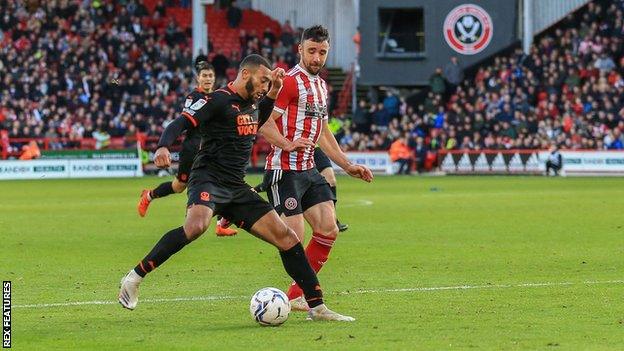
{"x":202,"y":65}
{"x":254,"y":61}
{"x":315,"y":33}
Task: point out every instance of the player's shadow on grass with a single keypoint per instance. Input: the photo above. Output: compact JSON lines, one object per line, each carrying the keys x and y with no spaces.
{"x":249,"y":326}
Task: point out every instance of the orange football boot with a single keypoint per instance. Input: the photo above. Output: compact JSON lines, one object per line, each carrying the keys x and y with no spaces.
{"x":223,"y":228}
{"x":143,"y":203}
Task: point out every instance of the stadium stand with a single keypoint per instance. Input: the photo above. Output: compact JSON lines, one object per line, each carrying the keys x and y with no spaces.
{"x":61,"y":88}
{"x":81,"y":74}
{"x":567,"y":91}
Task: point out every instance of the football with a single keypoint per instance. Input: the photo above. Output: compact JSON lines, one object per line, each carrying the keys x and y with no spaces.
{"x":269,"y":307}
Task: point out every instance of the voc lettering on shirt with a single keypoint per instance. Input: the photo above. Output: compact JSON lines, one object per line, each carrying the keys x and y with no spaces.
{"x":246,"y":125}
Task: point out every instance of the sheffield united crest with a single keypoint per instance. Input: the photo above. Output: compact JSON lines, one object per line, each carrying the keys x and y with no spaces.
{"x":468,"y":29}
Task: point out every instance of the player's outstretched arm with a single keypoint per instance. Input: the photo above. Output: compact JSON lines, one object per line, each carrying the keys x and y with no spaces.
{"x":274,"y":136}
{"x":330,"y":146}
{"x":265,"y":107}
{"x":162,"y":157}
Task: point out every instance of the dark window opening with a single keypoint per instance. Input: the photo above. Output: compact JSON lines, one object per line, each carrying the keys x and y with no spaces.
{"x":401,"y":32}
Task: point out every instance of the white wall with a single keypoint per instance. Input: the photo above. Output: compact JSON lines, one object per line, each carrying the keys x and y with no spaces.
{"x":548,"y":12}
{"x":339,"y":16}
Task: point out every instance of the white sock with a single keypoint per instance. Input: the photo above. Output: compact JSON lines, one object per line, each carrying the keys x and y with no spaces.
{"x":318,"y":308}
{"x":134,"y":276}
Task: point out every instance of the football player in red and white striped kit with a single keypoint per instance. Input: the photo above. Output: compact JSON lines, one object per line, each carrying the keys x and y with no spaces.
{"x":295,"y":188}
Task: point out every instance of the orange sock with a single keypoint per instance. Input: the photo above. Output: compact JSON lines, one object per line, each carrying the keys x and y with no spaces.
{"x":317,"y":253}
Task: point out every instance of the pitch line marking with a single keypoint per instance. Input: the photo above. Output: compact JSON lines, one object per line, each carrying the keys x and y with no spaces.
{"x":358,"y":203}
{"x":367,"y":291}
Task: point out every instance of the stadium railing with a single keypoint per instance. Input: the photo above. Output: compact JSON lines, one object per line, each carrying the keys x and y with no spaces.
{"x":530,"y":162}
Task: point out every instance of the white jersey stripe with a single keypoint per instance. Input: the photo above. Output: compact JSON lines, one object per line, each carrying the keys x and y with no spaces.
{"x":275,"y":187}
{"x":303,"y":96}
{"x":318,"y":99}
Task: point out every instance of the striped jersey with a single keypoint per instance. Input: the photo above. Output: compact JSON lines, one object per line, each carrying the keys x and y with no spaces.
{"x":302,"y":103}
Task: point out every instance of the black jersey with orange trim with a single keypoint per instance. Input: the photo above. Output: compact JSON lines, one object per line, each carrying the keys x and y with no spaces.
{"x":228,"y":125}
{"x":192,"y":140}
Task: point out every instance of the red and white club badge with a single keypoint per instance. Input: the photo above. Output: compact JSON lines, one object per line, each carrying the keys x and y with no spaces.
{"x":468,"y":29}
{"x":290,"y":203}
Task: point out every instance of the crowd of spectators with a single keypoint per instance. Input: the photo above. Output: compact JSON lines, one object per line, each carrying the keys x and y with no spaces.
{"x":568,"y":91}
{"x":279,"y":48}
{"x":281,"y":51}
{"x":100,"y":69}
{"x":83,"y":69}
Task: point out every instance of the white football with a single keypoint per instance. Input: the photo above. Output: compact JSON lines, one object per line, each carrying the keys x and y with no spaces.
{"x":269,"y":306}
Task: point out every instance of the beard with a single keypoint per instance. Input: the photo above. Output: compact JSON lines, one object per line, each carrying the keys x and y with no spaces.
{"x":313,"y":69}
{"x":249,"y":88}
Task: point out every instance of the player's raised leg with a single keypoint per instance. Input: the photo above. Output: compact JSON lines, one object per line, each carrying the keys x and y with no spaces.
{"x":162,"y":190}
{"x":197,"y":221}
{"x":271,"y":229}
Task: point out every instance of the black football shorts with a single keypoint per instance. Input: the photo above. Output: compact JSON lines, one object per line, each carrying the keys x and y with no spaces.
{"x":239,"y":204}
{"x":293,"y":192}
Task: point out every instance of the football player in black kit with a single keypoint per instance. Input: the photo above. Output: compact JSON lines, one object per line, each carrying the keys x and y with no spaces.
{"x":205,"y":83}
{"x":228,"y":120}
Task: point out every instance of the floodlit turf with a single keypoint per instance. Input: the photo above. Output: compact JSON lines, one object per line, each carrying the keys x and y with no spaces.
{"x":513,"y":263}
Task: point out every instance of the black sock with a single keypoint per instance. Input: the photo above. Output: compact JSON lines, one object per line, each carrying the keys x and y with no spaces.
{"x":169,"y":244}
{"x":162,"y":190}
{"x":298,"y":267}
{"x":333,"y":189}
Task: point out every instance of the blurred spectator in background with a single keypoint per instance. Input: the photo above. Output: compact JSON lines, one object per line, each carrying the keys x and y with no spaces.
{"x":454,"y":74}
{"x":420,"y":154}
{"x":401,"y":154}
{"x":234,"y":15}
{"x":220,"y":64}
{"x":102,"y":138}
{"x":30,"y":151}
{"x":357,"y":39}
{"x":555,"y":161}
{"x":436,"y":82}
{"x":361,"y":118}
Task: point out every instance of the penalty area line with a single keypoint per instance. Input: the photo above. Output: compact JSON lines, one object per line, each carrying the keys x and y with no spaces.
{"x":365,"y":291}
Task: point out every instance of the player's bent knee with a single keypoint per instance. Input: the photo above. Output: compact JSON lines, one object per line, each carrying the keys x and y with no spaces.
{"x":327,"y":228}
{"x":195,"y":227}
{"x":178,"y":186}
{"x":286,"y":240}
{"x":330,"y":231}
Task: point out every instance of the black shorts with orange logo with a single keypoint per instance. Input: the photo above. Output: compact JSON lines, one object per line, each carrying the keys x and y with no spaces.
{"x":239,"y":204}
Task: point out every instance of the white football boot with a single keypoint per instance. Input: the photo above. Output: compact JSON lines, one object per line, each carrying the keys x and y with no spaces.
{"x":129,"y":293}
{"x":299,"y":304}
{"x":322,"y":313}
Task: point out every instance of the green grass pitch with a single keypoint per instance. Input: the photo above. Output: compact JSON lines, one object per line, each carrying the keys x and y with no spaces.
{"x":483,"y":263}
